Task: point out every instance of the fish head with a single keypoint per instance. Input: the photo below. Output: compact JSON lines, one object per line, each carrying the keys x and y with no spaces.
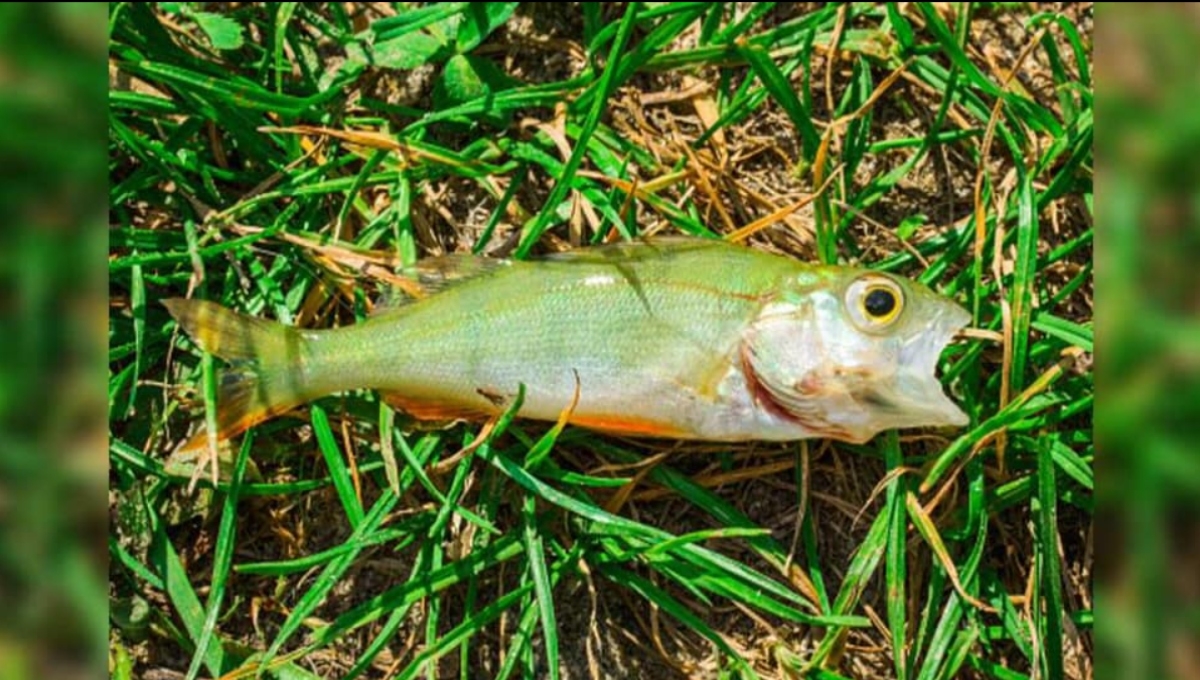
{"x":847,"y":353}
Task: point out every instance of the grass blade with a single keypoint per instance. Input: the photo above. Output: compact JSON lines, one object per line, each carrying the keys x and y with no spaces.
{"x":337,"y":466}
{"x":1048,"y":608}
{"x":895,"y":570}
{"x":607,"y":81}
{"x":535,"y":552}
{"x":222,"y":557}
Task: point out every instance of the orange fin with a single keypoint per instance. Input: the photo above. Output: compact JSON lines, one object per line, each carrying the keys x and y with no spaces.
{"x":242,"y":403}
{"x":434,"y":409}
{"x":628,"y":425}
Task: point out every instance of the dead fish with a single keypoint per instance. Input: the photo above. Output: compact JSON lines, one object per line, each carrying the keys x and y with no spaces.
{"x":680,"y":338}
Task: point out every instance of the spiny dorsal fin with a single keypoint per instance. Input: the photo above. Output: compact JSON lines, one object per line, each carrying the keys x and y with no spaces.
{"x":642,"y":249}
{"x":434,"y":275}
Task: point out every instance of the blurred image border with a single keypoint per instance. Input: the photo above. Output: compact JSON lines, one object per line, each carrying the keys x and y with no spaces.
{"x":1148,"y":176}
{"x":53,"y":461}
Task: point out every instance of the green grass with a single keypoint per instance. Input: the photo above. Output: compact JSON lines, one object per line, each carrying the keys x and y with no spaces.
{"x":334,"y":545}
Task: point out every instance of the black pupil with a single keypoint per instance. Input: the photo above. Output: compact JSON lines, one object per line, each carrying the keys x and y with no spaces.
{"x":880,"y":302}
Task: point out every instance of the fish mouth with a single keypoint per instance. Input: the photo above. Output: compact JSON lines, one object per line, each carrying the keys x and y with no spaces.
{"x":916,"y":395}
{"x":853,"y":404}
{"x":913,"y":395}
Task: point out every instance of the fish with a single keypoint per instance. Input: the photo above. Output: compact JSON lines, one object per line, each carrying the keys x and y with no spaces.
{"x":679,"y":337}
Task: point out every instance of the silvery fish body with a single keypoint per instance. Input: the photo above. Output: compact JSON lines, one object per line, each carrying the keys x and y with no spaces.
{"x":680,"y":338}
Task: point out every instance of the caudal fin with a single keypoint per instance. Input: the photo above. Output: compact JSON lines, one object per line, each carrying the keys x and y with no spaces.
{"x":266,"y":376}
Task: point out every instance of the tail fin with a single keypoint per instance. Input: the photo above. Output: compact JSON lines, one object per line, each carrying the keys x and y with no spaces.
{"x":267,"y":375}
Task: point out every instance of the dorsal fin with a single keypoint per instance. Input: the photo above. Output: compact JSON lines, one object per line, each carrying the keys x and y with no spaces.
{"x":626,"y":251}
{"x":434,"y":275}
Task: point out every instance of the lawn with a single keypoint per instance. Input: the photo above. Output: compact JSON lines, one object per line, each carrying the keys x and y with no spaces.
{"x":288,"y":159}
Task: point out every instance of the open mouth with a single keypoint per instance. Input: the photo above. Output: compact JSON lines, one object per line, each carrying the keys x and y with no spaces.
{"x":918,"y":392}
{"x":842,"y":405}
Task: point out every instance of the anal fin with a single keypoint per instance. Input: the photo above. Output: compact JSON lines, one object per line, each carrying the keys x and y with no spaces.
{"x":631,"y":426}
{"x":434,"y":409}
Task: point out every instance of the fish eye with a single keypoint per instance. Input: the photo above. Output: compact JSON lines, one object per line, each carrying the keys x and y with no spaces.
{"x":874,"y":301}
{"x":879,"y":302}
